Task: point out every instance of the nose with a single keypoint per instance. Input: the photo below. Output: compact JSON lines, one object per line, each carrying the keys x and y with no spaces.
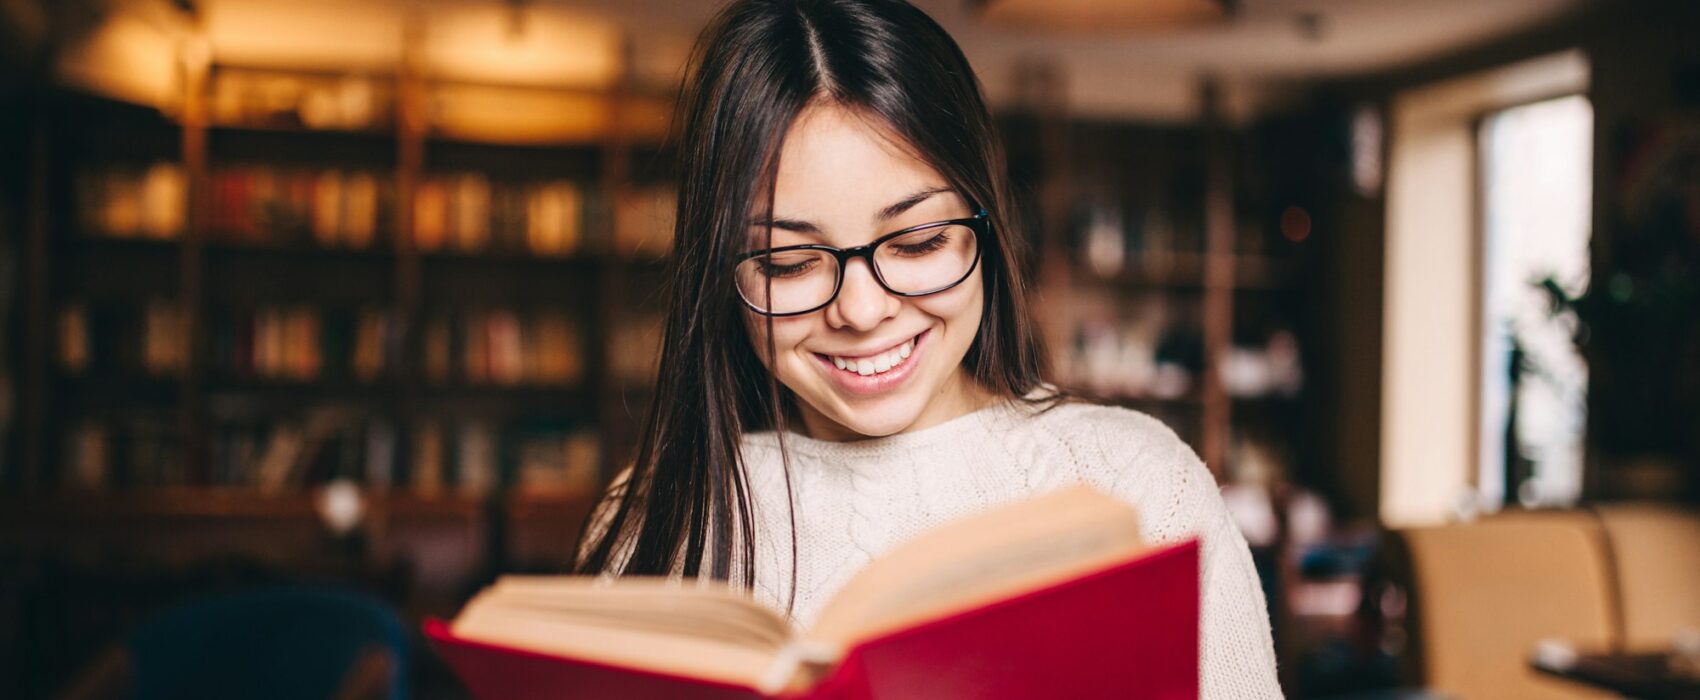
{"x":862,"y":303}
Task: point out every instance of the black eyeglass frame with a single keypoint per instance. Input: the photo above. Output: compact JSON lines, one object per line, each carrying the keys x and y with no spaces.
{"x":980,"y":224}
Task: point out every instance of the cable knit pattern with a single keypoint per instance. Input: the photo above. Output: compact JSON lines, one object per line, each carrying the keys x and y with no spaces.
{"x":858,"y":499}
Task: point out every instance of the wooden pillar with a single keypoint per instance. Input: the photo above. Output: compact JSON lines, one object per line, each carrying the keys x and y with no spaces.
{"x":195,"y":59}
{"x":411,"y":128}
{"x":605,"y":393}
{"x":1043,"y":93}
{"x":1218,"y":278}
{"x":37,"y":322}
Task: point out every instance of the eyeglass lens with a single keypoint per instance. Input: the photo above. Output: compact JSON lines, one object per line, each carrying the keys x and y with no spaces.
{"x":919,"y":262}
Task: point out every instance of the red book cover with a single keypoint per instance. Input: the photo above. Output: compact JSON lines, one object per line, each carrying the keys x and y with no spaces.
{"x":1127,"y":631}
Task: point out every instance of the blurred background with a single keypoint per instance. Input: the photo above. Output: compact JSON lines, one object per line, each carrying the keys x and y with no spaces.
{"x":358,"y":302}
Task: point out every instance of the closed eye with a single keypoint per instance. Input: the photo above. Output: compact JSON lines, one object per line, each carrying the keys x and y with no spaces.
{"x":922,"y":248}
{"x":774,"y":270}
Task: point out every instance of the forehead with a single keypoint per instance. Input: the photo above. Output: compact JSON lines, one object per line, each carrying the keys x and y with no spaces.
{"x":838,"y":168}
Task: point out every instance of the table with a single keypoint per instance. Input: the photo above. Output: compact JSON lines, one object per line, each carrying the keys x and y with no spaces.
{"x":1649,"y":676}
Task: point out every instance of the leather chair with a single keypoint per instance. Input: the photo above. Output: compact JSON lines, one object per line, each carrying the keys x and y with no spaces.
{"x":1483,"y":594}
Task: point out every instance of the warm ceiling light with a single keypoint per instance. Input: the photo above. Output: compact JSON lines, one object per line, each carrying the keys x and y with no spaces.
{"x":478,"y":43}
{"x":1099,"y":16}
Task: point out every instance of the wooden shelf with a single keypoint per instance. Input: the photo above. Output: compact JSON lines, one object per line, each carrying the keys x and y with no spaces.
{"x":519,"y":260}
{"x":548,"y":504}
{"x":151,"y":268}
{"x":406,"y":505}
{"x":98,"y":244}
{"x":224,"y":246}
{"x":496,"y":389}
{"x":165,"y":503}
{"x":239,"y":129}
{"x":219,"y":503}
{"x":318,"y":387}
{"x":113,"y":389}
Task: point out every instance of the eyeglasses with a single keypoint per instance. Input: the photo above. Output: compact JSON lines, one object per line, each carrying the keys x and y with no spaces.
{"x":920,"y":260}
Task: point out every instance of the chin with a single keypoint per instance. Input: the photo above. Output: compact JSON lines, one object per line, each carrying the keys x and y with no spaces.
{"x":880,"y":418}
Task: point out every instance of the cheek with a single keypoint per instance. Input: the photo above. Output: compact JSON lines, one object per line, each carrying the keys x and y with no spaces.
{"x":788,"y":333}
{"x":959,"y":308}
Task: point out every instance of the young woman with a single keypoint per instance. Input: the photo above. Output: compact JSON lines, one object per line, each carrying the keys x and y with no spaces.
{"x":848,"y":357}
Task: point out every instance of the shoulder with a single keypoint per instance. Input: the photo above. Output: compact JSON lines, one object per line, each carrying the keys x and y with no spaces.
{"x":1084,"y":420}
{"x":1135,"y":457}
{"x":1121,"y":436}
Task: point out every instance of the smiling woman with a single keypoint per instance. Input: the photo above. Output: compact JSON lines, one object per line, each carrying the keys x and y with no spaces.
{"x":871,"y":344}
{"x":848,"y":356}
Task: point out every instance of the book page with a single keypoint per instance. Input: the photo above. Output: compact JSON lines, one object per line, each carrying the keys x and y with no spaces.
{"x":980,"y":559}
{"x":698,"y":630}
{"x":648,"y":650}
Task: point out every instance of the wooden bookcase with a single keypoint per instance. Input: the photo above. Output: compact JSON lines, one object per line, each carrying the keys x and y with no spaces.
{"x":1193,"y":236}
{"x":200,"y":388}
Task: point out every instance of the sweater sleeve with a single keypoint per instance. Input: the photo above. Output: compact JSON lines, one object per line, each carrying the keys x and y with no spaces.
{"x":1145,"y":463}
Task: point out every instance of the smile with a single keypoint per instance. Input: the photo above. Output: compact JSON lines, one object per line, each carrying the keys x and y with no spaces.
{"x":876,"y":372}
{"x":876,"y":364}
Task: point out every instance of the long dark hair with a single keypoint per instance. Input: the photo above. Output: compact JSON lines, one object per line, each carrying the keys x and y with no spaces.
{"x":755,"y":67}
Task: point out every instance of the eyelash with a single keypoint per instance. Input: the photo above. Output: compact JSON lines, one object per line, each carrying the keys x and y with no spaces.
{"x":936,"y":242}
{"x":773,"y":271}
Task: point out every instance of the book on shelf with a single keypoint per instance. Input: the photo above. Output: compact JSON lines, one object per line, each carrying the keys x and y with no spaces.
{"x":1053,"y":596}
{"x":377,"y":342}
{"x":304,"y":343}
{"x":380,"y":457}
{"x":148,"y":338}
{"x":134,"y":202}
{"x":73,"y":347}
{"x":554,"y":461}
{"x":431,"y":215}
{"x":553,"y":214}
{"x":278,"y":465}
{"x":122,"y":452}
{"x":87,"y":457}
{"x":345,"y":209}
{"x":475,"y":463}
{"x":469,"y":213}
{"x":634,"y":348}
{"x":427,"y":475}
{"x":504,"y":347}
{"x":274,"y":205}
{"x":251,"y":447}
{"x":470,"y":206}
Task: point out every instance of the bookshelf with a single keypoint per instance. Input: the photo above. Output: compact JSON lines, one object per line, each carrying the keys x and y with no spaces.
{"x":1168,"y":284}
{"x":374,"y":270}
{"x":307,"y":277}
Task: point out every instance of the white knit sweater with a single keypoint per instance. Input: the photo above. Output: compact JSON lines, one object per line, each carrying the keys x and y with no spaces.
{"x":855,"y":500}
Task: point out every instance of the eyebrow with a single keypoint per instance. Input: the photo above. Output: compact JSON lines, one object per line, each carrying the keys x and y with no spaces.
{"x":886,"y":214}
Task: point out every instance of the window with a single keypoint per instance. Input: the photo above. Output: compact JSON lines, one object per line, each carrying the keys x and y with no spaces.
{"x":1536,"y":203}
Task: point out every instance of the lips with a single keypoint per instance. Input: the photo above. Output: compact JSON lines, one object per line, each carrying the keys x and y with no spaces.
{"x":873,"y":373}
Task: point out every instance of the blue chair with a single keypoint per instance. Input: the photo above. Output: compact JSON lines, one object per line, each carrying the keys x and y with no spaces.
{"x":285,"y":642}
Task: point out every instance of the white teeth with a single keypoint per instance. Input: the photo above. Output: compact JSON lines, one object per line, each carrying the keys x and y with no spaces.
{"x":877,"y":364}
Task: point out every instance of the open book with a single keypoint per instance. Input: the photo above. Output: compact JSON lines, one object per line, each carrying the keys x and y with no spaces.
{"x":1054,"y":596}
